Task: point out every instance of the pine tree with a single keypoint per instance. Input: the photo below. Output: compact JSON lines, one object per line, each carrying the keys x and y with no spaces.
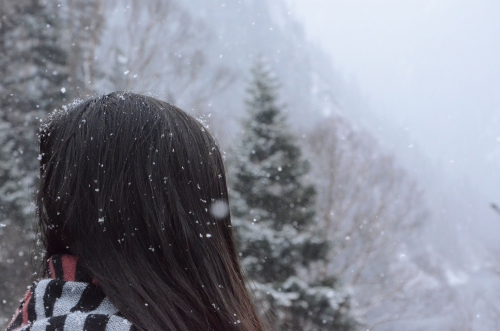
{"x":33,"y":64}
{"x":32,"y":82}
{"x":273,"y":212}
{"x":33,"y":78}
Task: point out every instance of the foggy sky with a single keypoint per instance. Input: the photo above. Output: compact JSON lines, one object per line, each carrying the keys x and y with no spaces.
{"x":430,"y":72}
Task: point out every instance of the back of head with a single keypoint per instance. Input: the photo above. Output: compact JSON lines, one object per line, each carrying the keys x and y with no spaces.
{"x":136,"y":188}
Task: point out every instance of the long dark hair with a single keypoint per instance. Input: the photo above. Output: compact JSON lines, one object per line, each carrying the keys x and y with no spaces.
{"x":137,"y":189}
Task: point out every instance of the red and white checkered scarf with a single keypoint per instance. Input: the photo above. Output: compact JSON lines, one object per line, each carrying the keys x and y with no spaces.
{"x":70,"y":300}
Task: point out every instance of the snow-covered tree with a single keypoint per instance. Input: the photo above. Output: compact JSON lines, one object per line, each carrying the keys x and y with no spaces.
{"x":84,"y":23}
{"x":33,"y":69}
{"x":273,"y":211}
{"x":158,"y":46}
{"x":33,"y":77}
{"x":32,"y":82}
{"x":364,"y":197}
{"x":33,"y":74}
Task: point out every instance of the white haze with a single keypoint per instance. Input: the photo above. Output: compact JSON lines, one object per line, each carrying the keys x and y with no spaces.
{"x":420,"y":75}
{"x":428,"y":68}
{"x":429,"y":73}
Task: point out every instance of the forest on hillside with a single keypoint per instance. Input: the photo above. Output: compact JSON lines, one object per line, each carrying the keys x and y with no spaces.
{"x":337,"y":221}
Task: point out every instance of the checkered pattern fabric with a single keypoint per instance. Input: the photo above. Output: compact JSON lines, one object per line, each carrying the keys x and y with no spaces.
{"x":69,"y":301}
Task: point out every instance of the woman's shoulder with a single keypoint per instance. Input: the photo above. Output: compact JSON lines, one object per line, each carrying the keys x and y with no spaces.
{"x":68,"y":300}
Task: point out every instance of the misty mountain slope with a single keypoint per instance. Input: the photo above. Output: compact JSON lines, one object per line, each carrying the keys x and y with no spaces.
{"x":448,"y":251}
{"x":311,"y":88}
{"x":198,"y":55}
{"x":415,"y":247}
{"x":246,"y":30}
